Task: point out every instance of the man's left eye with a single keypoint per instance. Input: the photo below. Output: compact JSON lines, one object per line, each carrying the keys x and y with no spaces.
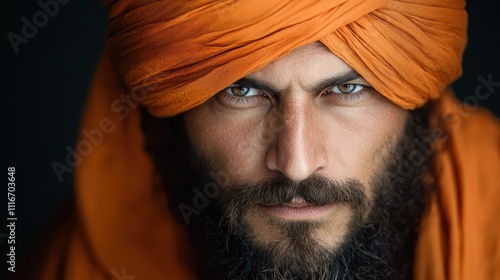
{"x":346,"y":88}
{"x":241,"y":91}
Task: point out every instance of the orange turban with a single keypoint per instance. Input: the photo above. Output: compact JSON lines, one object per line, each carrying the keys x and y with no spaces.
{"x":173,"y":55}
{"x":182,"y":53}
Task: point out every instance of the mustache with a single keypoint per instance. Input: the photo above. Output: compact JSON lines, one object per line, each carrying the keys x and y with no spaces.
{"x":317,"y":190}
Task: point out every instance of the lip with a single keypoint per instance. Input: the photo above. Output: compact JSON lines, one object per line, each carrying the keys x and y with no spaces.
{"x":298,"y":209}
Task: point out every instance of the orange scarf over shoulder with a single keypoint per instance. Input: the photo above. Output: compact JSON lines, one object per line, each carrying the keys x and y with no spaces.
{"x":171,"y":56}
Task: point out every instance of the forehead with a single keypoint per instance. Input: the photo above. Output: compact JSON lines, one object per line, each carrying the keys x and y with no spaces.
{"x":305,"y":65}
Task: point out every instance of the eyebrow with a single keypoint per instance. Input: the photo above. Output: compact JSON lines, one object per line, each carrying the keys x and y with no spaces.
{"x":329,"y":82}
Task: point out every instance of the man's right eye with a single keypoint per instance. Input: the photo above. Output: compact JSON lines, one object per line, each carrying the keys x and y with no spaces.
{"x":241,"y":90}
{"x":241,"y":97}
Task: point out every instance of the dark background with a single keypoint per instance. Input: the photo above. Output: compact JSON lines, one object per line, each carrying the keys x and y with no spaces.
{"x":45,"y":86}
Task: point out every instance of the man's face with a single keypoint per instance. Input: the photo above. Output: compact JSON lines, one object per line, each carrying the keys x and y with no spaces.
{"x":306,"y":115}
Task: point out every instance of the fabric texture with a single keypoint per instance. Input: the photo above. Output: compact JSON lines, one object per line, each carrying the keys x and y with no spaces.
{"x":171,"y":56}
{"x":182,"y":53}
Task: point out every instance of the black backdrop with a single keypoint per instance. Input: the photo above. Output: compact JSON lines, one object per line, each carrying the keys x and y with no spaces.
{"x":46,"y":82}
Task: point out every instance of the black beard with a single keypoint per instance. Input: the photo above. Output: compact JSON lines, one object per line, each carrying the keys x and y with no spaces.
{"x":380,"y":247}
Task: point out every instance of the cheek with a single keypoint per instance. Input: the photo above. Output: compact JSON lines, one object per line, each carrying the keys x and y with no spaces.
{"x":360,"y":140}
{"x":231,"y":142}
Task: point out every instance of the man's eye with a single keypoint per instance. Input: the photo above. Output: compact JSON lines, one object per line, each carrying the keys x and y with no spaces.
{"x":241,"y":96}
{"x":241,"y":91}
{"x":346,"y":88}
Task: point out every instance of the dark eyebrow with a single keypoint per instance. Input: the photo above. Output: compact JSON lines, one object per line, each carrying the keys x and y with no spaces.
{"x":329,"y":82}
{"x":337,"y":80}
{"x":257,"y":84}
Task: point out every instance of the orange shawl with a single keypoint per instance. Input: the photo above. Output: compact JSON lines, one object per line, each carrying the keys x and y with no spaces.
{"x":171,"y":56}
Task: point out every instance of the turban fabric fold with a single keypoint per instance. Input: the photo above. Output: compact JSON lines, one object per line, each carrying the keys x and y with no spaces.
{"x":171,"y":56}
{"x":181,"y":54}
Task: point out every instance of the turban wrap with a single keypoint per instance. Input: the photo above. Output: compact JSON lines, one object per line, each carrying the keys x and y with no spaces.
{"x":171,"y":56}
{"x":408,"y":50}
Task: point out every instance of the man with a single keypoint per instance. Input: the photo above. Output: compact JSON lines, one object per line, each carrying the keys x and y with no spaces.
{"x":310,"y":155}
{"x":283,"y":140}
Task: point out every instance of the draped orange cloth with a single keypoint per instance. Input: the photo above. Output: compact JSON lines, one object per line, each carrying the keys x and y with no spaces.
{"x":171,"y":56}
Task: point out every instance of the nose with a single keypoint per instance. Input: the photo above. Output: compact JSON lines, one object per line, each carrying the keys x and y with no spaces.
{"x":297,"y":149}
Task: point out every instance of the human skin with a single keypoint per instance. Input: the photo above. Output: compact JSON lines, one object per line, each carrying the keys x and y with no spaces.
{"x":289,"y":122}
